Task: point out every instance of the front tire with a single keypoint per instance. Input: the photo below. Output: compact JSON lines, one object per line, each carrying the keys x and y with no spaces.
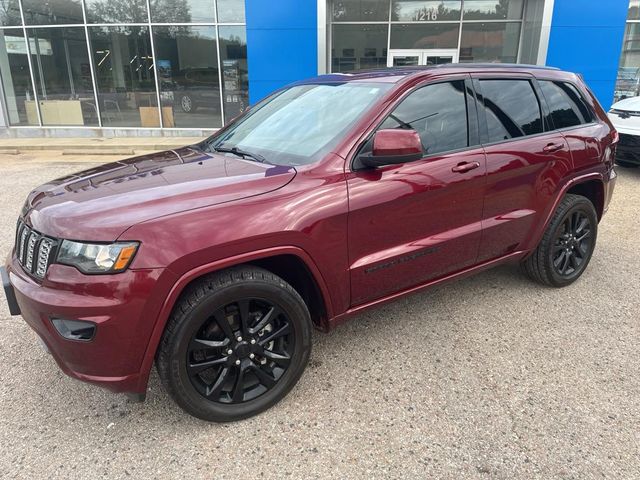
{"x":567,"y":244}
{"x":236,"y":343}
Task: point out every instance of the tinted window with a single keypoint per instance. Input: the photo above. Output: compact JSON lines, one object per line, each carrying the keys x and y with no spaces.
{"x":438,"y":113}
{"x":565,"y":104}
{"x":512,"y":109}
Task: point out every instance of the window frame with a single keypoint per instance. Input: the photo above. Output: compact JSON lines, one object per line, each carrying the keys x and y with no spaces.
{"x":146,"y":21}
{"x":533,"y":81}
{"x":594,"y":117}
{"x":473,"y":132}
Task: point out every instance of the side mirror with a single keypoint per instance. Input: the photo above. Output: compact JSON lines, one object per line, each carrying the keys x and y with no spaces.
{"x":392,"y":146}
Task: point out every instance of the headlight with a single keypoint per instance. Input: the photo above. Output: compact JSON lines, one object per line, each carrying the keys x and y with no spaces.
{"x":97,"y":258}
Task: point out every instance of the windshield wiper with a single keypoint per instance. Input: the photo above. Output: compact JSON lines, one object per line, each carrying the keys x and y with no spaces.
{"x":241,"y":153}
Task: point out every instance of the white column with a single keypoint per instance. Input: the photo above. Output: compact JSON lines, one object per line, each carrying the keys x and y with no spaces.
{"x":322,"y":37}
{"x":7,"y":85}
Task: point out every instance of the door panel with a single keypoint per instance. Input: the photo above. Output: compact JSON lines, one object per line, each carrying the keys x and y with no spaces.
{"x":413,"y":222}
{"x":522,"y":179}
{"x":417,"y":221}
{"x":524,"y":164}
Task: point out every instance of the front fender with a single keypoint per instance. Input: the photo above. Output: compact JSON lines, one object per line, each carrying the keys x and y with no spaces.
{"x":187,"y":277}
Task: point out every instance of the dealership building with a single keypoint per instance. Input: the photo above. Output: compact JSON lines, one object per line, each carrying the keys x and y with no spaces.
{"x":186,"y":67}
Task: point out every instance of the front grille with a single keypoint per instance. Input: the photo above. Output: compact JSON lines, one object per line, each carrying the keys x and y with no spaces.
{"x":629,"y":140}
{"x":34,"y":251}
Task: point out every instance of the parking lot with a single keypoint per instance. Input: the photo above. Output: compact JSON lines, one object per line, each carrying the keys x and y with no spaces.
{"x":489,"y":377}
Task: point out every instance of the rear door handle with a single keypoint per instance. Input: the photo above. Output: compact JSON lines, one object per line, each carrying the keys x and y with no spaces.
{"x":553,"y":147}
{"x":465,"y":167}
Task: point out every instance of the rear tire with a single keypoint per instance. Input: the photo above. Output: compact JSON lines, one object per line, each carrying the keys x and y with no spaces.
{"x":236,"y":343}
{"x":567,"y":244}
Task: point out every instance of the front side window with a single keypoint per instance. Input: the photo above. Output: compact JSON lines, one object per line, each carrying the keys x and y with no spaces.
{"x":511,"y":108}
{"x":438,"y":113}
{"x":297,"y":125}
{"x":565,"y":104}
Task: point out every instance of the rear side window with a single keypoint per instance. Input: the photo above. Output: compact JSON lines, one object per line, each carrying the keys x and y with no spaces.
{"x":512,"y":109}
{"x":438,"y":113}
{"x":566,"y":105}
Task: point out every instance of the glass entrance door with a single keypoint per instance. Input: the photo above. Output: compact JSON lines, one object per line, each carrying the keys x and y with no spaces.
{"x":405,"y":58}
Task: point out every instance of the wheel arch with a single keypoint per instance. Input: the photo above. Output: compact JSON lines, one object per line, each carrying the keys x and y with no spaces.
{"x":585,"y":185}
{"x":592,"y":189}
{"x":307,"y":280}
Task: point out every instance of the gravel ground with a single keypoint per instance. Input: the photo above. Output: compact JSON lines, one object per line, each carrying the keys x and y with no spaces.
{"x":490,"y":377}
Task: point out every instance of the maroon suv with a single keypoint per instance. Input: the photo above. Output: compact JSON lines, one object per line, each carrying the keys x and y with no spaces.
{"x":331,"y":196}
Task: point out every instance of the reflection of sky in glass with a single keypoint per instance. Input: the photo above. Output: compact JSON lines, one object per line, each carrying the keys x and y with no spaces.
{"x":489,"y":7}
{"x":407,"y":8}
{"x":202,"y":12}
{"x":483,"y":5}
{"x":231,"y":11}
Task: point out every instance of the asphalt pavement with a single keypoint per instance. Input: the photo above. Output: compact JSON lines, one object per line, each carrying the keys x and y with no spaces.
{"x":489,"y":377}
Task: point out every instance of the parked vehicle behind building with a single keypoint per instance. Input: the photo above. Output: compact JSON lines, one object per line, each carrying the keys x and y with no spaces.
{"x":333,"y":195}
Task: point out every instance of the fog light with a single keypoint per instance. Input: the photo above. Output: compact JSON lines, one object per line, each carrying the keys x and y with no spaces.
{"x":75,"y":329}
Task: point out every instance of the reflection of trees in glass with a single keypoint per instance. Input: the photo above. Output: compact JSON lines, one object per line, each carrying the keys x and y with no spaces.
{"x":422,"y":12}
{"x":499,"y":10}
{"x":502,"y":8}
{"x":37,"y":12}
{"x":175,"y":11}
{"x":117,"y":11}
{"x":9,"y":12}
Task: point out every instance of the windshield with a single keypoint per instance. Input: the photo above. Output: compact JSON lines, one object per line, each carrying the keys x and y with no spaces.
{"x":301,"y":123}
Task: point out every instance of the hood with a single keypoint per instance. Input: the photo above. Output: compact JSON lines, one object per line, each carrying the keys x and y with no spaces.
{"x":625,"y":116}
{"x":101,"y":203}
{"x":628,"y":104}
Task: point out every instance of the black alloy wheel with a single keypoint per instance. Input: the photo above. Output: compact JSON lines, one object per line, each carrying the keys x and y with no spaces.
{"x":236,"y":343}
{"x":573,"y":244}
{"x":567,"y":244}
{"x":241,"y":351}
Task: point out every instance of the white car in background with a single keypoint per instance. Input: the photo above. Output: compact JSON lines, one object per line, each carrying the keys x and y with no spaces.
{"x":625,"y":116}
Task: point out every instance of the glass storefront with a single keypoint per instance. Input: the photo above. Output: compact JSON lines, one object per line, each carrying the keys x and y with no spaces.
{"x":378,"y":33}
{"x":123,"y":63}
{"x":628,"y":81}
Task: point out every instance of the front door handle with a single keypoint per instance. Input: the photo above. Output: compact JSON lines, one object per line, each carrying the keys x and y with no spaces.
{"x":553,"y":147}
{"x":465,"y":167}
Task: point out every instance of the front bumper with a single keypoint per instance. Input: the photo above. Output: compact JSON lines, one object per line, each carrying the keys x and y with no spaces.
{"x":123,"y":308}
{"x":9,"y":292}
{"x":628,"y":149}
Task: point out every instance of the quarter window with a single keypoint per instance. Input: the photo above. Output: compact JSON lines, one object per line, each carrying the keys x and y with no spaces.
{"x":567,"y":106}
{"x":438,"y":113}
{"x":512,"y":109}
